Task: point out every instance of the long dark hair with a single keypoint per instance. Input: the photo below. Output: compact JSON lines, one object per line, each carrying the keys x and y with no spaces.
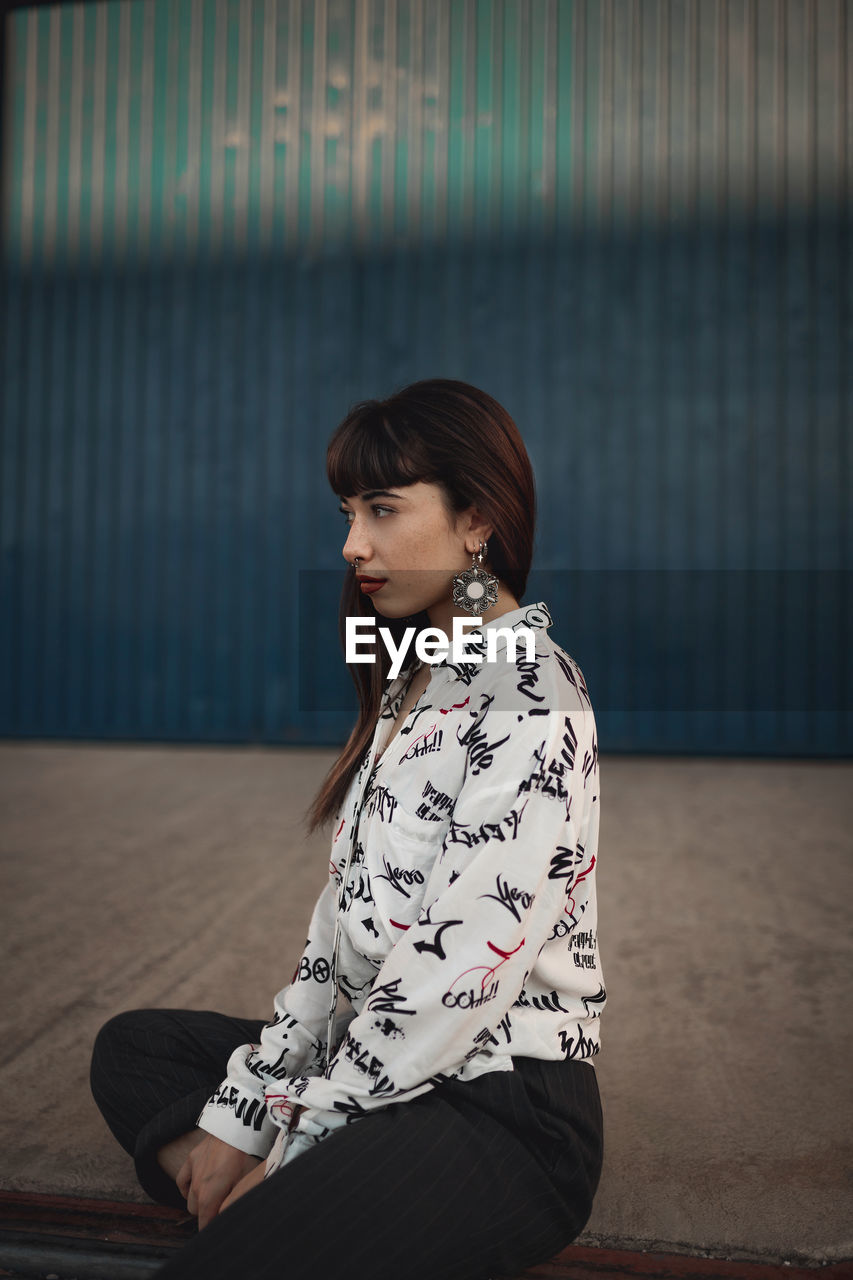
{"x":443,"y":432}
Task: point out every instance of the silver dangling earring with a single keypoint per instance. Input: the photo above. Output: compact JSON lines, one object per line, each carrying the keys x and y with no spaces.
{"x":475,"y":590}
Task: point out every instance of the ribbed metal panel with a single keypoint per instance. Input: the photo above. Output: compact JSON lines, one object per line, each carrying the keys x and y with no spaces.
{"x":225,"y":221}
{"x":160,"y":127}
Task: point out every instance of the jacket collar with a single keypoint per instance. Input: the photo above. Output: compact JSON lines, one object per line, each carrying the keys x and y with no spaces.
{"x":535,"y":616}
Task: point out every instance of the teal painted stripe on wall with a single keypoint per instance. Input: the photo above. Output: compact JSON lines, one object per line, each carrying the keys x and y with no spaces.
{"x":157,"y":127}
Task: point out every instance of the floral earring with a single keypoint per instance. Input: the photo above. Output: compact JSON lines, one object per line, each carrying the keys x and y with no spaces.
{"x":475,"y":590}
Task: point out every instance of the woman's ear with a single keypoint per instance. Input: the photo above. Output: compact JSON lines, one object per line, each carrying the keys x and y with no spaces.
{"x":475,"y":527}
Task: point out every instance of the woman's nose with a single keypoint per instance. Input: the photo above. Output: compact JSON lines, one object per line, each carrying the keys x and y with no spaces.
{"x":356,"y":545}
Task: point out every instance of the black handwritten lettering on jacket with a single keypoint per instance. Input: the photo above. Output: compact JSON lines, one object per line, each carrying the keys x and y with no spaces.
{"x":481,"y":752}
{"x":401,"y":877}
{"x":459,"y":921}
{"x":515,"y":900}
{"x":433,"y":944}
{"x":388,"y":998}
{"x":249,"y":1111}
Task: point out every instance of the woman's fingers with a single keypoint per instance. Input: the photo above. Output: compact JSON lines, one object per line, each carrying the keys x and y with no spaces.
{"x":210,"y":1173}
{"x":210,"y":1202}
{"x":213,"y":1194}
{"x":183,"y":1178}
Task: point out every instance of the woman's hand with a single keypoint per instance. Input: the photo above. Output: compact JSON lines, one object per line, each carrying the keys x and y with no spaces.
{"x":251,"y":1179}
{"x":210,"y":1173}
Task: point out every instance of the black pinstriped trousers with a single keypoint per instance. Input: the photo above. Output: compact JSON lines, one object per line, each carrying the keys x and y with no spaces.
{"x":471,"y":1180}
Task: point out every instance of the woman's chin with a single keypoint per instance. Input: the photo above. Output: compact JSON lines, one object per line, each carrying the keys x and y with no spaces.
{"x":393,"y":609}
{"x":390,"y":610}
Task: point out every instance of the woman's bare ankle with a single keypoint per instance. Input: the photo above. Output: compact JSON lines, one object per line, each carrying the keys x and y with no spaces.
{"x":171,"y":1157}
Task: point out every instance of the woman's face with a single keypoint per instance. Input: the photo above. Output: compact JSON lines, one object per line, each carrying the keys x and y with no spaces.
{"x":406,"y":537}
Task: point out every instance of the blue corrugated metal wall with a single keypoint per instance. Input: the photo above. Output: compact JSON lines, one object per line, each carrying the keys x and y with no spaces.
{"x":224,"y":222}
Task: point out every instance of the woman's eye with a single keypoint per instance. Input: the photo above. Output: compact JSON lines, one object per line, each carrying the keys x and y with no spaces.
{"x":349,"y":516}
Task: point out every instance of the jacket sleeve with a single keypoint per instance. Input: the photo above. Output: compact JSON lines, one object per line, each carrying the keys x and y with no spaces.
{"x":248,"y":1108}
{"x":443,"y":994}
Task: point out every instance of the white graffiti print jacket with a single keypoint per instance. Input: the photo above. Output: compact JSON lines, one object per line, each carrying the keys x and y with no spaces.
{"x":459,"y":924}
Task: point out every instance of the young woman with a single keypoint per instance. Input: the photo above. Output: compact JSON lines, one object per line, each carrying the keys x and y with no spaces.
{"x":423,"y":1102}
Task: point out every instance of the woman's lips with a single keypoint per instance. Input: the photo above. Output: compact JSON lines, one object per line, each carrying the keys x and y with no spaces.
{"x":369,"y":585}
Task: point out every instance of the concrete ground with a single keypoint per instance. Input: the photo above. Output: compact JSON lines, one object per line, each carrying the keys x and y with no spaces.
{"x":150,"y":875}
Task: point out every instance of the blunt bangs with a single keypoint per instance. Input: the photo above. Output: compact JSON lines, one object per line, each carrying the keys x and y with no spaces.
{"x":367,"y":452}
